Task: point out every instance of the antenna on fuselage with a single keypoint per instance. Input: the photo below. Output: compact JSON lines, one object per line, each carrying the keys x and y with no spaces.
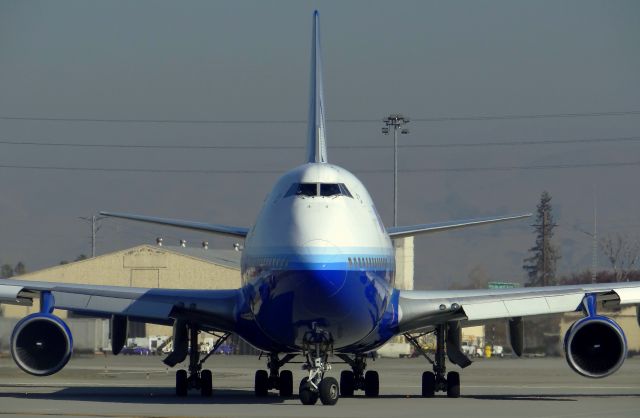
{"x":316,"y":147}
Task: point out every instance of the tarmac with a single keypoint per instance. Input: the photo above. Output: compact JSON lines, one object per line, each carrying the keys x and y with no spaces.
{"x":140,"y":386}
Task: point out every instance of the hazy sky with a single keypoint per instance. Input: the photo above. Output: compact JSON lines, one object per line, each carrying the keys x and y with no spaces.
{"x":246,"y":61}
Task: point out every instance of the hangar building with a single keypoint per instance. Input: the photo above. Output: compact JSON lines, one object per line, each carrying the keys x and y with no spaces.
{"x":149,"y":266}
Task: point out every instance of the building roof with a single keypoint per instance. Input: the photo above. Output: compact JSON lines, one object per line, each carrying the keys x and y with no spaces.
{"x":225,"y":258}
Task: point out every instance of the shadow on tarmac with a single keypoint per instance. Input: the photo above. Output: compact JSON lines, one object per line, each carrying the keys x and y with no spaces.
{"x":166,"y":396}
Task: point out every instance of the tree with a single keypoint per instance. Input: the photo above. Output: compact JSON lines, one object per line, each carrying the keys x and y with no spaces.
{"x":19,"y":269}
{"x":623,"y":254}
{"x":542,"y":334}
{"x":541,"y":266}
{"x":6,"y":271}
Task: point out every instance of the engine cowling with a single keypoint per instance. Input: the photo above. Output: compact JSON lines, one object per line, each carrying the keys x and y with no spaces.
{"x":41,"y":344}
{"x":595,"y":346}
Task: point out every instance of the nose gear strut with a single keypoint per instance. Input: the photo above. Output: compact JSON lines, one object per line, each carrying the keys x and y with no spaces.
{"x":316,"y":348}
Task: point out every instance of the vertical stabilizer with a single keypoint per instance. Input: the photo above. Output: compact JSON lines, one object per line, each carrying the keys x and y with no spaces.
{"x":317,"y":146}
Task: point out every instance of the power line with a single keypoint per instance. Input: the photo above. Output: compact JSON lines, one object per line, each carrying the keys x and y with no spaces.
{"x":363,"y":171}
{"x":514,"y":143}
{"x":300,"y":121}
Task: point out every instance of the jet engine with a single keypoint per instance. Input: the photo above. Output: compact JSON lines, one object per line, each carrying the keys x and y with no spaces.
{"x":595,"y":346}
{"x":41,"y":344}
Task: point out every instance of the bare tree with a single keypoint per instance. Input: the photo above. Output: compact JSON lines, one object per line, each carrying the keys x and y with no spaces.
{"x":623,"y":254}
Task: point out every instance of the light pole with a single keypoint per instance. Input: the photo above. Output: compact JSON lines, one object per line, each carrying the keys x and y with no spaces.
{"x":93,"y":220}
{"x":594,"y":244}
{"x":395,"y":121}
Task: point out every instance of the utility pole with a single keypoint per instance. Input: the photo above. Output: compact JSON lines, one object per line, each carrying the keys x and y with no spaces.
{"x":396,"y":121}
{"x":594,"y":244}
{"x":594,"y":240}
{"x":94,"y":229}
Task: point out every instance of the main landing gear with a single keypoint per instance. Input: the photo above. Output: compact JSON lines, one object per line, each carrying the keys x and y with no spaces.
{"x":357,"y":379}
{"x":275,"y":379}
{"x":439,"y":380}
{"x":196,"y":378}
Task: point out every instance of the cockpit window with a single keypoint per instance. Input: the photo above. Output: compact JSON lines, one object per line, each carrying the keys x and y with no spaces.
{"x":344,"y":190}
{"x":312,"y":189}
{"x":330,"y":190}
{"x":303,"y":189}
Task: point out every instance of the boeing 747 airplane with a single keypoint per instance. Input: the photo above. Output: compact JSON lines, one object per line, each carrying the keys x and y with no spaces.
{"x":317,"y":282}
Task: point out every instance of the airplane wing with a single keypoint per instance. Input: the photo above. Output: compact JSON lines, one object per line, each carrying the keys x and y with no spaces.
{"x":234,"y":231}
{"x":422,"y":309}
{"x":406,"y":231}
{"x":212,"y":309}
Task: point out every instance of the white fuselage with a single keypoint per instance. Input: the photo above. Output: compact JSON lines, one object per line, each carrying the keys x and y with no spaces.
{"x":319,"y":243}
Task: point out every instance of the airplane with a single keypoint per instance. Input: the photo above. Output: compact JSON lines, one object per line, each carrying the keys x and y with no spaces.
{"x":318,"y":275}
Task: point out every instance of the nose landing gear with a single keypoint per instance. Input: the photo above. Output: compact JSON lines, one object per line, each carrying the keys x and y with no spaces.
{"x":316,"y":385}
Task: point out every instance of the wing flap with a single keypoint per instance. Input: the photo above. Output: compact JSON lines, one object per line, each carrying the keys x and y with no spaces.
{"x":628,"y":296}
{"x":9,"y":293}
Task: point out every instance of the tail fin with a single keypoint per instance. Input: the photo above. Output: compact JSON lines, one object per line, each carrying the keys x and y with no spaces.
{"x":317,"y":147}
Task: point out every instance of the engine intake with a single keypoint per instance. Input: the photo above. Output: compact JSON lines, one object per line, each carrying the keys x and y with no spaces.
{"x":595,"y":346}
{"x":41,"y":344}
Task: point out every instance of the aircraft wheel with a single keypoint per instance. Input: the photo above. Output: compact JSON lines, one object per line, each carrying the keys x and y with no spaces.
{"x":206,"y":383}
{"x":285,"y":381}
{"x":347,"y":383}
{"x":262,"y":383}
{"x":307,"y":396}
{"x":371,"y":384}
{"x":329,"y":391}
{"x":181,"y":383}
{"x":428,"y":384}
{"x":453,"y":385}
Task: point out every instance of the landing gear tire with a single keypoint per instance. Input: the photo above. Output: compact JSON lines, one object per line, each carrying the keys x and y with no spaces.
{"x":262,"y":383}
{"x":371,"y":384}
{"x":307,"y":396}
{"x":285,"y":381}
{"x":428,"y":384}
{"x":206,"y":383}
{"x":347,"y":383}
{"x":453,"y":385}
{"x":181,"y":383}
{"x":329,"y":391}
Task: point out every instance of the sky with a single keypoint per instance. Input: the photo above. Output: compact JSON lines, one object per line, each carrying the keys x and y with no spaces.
{"x":235,"y":74}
